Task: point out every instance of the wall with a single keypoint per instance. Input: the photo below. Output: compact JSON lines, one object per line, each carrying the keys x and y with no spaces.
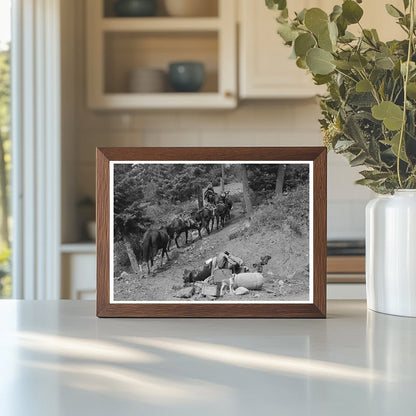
{"x":254,"y":123}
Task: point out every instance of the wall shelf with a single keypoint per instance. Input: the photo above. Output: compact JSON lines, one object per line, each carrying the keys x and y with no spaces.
{"x":160,"y":24}
{"x":116,"y":46}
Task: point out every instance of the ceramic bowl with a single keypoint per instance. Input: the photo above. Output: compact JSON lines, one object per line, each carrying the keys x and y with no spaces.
{"x":186,"y":76}
{"x":135,"y":8}
{"x":147,"y":80}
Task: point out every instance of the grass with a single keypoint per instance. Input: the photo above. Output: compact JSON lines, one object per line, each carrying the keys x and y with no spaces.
{"x":283,"y":212}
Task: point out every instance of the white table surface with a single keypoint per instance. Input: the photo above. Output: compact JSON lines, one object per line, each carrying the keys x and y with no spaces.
{"x":57,"y":358}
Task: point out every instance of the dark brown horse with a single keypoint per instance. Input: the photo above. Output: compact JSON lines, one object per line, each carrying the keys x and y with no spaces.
{"x":179,"y":226}
{"x":153,"y":241}
{"x":220,"y":214}
{"x":205,"y":218}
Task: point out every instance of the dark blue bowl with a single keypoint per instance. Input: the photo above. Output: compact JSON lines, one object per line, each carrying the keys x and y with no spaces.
{"x":186,"y":76}
{"x":135,"y":8}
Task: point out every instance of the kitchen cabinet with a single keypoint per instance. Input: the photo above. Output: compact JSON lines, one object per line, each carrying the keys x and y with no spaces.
{"x":265,"y":70}
{"x":78,"y":263}
{"x":118,"y":45}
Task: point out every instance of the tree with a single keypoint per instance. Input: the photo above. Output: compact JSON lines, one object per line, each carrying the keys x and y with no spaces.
{"x":4,"y":142}
{"x":246,"y":190}
{"x":129,"y":219}
{"x":280,"y":179}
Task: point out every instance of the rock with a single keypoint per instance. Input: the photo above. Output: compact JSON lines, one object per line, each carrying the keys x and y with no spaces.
{"x":270,"y":291}
{"x":186,"y":292}
{"x":241,"y":291}
{"x":256,"y":295}
{"x":124,"y":274}
{"x":281,"y":282}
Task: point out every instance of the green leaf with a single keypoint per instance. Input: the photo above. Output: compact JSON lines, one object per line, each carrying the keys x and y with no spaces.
{"x":375,"y":35}
{"x":358,"y":61}
{"x":374,"y":174}
{"x":276,"y":4}
{"x":406,"y":4}
{"x":342,"y":25}
{"x":388,"y":112}
{"x":345,"y":65}
{"x":363,"y":86}
{"x":358,"y":160}
{"x":343,"y":145}
{"x":301,"y":15}
{"x":394,"y":143}
{"x":384,"y":62}
{"x":303,"y":43}
{"x":316,"y":20}
{"x":319,"y":61}
{"x":321,"y":79}
{"x":301,"y":63}
{"x":287,"y":33}
{"x":393,"y":11}
{"x":351,"y":11}
{"x":325,"y":42}
{"x":411,"y":90}
{"x":336,"y":12}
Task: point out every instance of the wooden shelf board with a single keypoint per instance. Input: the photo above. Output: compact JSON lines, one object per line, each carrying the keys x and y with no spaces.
{"x":163,"y":100}
{"x":346,"y":264}
{"x":160,"y":24}
{"x":80,"y":247}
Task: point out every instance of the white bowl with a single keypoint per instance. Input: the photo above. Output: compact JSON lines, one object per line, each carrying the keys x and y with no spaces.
{"x":191,"y":8}
{"x":147,"y":80}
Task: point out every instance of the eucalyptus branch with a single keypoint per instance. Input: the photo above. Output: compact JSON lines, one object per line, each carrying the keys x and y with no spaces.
{"x":346,"y":75}
{"x":406,"y":80}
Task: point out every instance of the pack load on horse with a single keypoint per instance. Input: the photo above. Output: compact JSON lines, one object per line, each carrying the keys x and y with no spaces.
{"x":182,"y":225}
{"x":210,"y":196}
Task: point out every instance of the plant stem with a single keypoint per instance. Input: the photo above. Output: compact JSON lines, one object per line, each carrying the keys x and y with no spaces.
{"x":406,"y":80}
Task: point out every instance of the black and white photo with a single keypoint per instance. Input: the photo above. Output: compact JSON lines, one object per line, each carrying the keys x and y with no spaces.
{"x":214,"y":232}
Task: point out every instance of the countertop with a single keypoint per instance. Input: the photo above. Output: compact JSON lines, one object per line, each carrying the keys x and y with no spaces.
{"x":57,"y":358}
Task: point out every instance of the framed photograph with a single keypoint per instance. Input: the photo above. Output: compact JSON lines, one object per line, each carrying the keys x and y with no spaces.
{"x":211,"y":232}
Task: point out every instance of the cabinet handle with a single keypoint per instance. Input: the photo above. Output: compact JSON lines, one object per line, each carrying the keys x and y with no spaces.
{"x":229,"y":94}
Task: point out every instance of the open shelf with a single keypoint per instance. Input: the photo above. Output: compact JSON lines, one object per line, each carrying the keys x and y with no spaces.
{"x":126,"y":51}
{"x":119,"y":45}
{"x":211,"y":10}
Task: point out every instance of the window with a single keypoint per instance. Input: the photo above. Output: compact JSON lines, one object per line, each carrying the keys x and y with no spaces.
{"x":5,"y":145}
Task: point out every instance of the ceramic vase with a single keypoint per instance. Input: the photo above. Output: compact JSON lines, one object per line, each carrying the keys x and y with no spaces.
{"x":391,"y":253}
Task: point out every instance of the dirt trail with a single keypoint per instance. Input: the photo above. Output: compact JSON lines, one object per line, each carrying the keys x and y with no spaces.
{"x":286,"y":276}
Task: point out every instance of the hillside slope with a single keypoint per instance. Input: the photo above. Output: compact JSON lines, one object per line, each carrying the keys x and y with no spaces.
{"x":286,"y":275}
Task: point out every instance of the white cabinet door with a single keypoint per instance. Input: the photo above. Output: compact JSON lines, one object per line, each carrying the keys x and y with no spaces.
{"x":265,"y":68}
{"x":78,"y":275}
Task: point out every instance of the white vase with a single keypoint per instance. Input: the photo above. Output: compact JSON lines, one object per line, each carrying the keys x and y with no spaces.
{"x":391,"y":253}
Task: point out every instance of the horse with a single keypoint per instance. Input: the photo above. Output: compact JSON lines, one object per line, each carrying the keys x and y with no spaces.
{"x":220,"y":214}
{"x":226,"y":199}
{"x":203,"y":217}
{"x":179,"y":226}
{"x":153,"y":241}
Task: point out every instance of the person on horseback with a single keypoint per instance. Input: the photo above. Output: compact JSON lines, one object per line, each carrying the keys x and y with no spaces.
{"x":209,"y":194}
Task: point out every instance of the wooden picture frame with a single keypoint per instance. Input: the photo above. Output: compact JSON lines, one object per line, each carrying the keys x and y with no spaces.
{"x":313,"y":307}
